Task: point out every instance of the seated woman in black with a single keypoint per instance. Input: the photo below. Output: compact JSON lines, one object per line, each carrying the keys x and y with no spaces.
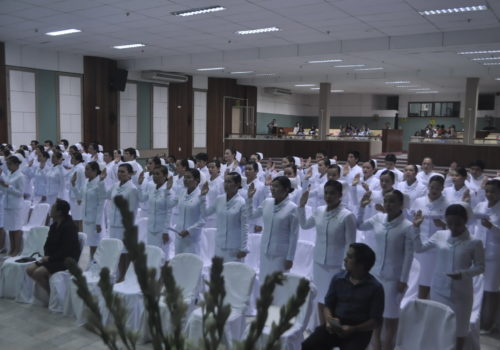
{"x":62,"y":242}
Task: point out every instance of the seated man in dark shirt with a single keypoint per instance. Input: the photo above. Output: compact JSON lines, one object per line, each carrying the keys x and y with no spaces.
{"x":354,"y":305}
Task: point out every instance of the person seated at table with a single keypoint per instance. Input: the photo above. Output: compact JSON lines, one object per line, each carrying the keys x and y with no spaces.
{"x":354,"y":304}
{"x":62,"y":243}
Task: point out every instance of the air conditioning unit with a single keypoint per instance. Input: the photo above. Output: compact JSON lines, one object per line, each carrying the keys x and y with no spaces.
{"x":164,"y":77}
{"x":277,"y":91}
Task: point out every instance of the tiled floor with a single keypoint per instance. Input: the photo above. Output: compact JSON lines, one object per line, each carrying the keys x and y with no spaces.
{"x":24,"y":327}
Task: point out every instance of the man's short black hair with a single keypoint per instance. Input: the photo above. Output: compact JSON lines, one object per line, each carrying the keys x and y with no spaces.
{"x":391,"y":158}
{"x":355,"y":154}
{"x":479,"y":163}
{"x":201,"y":156}
{"x":363,"y":255}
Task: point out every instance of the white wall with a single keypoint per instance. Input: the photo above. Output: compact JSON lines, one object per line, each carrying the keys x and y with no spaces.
{"x":296,"y":104}
{"x":128,"y":116}
{"x":200,"y":119}
{"x":160,"y":117}
{"x":22,"y":107}
{"x":70,"y":108}
{"x":22,"y":56}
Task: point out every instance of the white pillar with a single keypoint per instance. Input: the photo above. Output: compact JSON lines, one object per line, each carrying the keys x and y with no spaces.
{"x":324,"y":113}
{"x":470,"y":111}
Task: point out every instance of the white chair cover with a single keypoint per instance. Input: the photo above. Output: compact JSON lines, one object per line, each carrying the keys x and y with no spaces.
{"x":38,"y":216}
{"x":107,"y":255}
{"x":26,"y":212}
{"x":59,"y":281}
{"x":309,"y":234}
{"x":13,"y":278}
{"x":292,"y":338}
{"x":142,"y":230}
{"x":426,"y":324}
{"x":239,"y":279}
{"x":303,"y":262}
{"x":253,"y":260}
{"x":130,"y":291}
{"x":473,"y":341}
{"x":186,"y":269}
{"x":207,"y":245}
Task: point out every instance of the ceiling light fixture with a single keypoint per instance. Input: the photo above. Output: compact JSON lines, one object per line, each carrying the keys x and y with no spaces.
{"x":128,"y":46}
{"x":265,"y":74}
{"x":304,"y":85}
{"x":477,"y":52}
{"x":243,"y":72}
{"x":258,"y":31}
{"x":454,"y":10}
{"x":315,"y":88}
{"x":210,"y":68}
{"x":497,"y":78}
{"x":63,"y":32}
{"x":406,"y":86}
{"x":350,"y":65}
{"x":427,"y":92}
{"x":198,"y":11}
{"x":397,"y":82}
{"x":491,"y":64}
{"x":485,"y":58}
{"x":365,"y":69}
{"x":326,"y":61}
{"x":336,"y":91}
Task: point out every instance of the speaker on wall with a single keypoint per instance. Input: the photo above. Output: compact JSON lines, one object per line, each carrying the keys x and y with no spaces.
{"x":118,"y":79}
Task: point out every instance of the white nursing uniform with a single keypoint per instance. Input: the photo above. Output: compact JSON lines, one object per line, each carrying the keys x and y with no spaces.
{"x":13,"y":200}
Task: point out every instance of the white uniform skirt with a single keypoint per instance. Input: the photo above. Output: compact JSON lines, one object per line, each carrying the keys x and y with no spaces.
{"x":427,"y":262}
{"x":12,"y":219}
{"x":270,"y":264}
{"x":492,"y":274}
{"x":392,"y":298}
{"x":76,"y":210}
{"x":322,"y":276}
{"x":117,"y":232}
{"x":93,"y":238}
{"x":227,"y":254}
{"x":156,"y":239}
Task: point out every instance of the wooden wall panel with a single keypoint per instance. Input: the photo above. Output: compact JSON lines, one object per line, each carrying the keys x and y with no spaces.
{"x":444,"y":154}
{"x":4,"y":129}
{"x":218,"y":88}
{"x":100,"y":102}
{"x":180,"y":119}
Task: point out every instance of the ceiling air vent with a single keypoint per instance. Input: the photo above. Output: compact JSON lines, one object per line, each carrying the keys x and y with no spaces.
{"x":277,"y":91}
{"x":164,"y":77}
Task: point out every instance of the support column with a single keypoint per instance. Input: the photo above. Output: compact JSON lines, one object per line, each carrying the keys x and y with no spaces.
{"x":470,"y":110}
{"x":324,"y":113}
{"x":4,"y":126}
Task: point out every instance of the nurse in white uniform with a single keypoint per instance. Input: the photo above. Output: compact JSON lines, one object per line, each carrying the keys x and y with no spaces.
{"x":261,"y":193}
{"x":189,"y":221}
{"x":459,"y":259}
{"x":125,"y":188}
{"x":487,"y":228}
{"x":38,"y":174}
{"x":215,"y":183}
{"x":12,"y":186}
{"x":55,"y":176}
{"x":335,"y":231}
{"x":231,"y":218}
{"x":92,"y":196}
{"x":394,"y":250}
{"x":156,"y":194}
{"x":281,"y":227}
{"x":433,"y":207}
{"x":458,"y":192}
{"x":410,"y":186}
{"x":78,"y":174}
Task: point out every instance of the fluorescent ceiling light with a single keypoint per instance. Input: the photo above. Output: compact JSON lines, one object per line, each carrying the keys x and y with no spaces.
{"x":63,"y":32}
{"x":427,"y":92}
{"x":454,"y":10}
{"x":326,"y":61}
{"x":210,"y":68}
{"x":406,"y":86}
{"x":265,"y":74}
{"x":198,"y":11}
{"x":304,"y":85}
{"x":491,"y":64}
{"x":350,"y":65}
{"x":258,"y":31}
{"x":336,"y":90}
{"x":314,"y":88}
{"x":243,"y":72}
{"x":497,"y":78}
{"x":128,"y":46}
{"x":485,"y":58}
{"x":419,"y":89}
{"x":374,"y":68}
{"x":477,"y":52}
{"x":397,"y":82}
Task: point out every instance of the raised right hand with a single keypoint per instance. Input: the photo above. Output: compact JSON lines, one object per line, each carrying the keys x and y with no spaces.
{"x":304,"y":198}
{"x":418,"y":218}
{"x":355,"y":180}
{"x":205,"y":189}
{"x":251,"y":191}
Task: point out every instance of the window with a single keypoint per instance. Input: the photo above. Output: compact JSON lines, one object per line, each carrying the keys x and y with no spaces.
{"x":434,"y":109}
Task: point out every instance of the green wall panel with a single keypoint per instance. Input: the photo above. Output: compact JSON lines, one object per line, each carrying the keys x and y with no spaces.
{"x":144,"y":115}
{"x":47,"y":90}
